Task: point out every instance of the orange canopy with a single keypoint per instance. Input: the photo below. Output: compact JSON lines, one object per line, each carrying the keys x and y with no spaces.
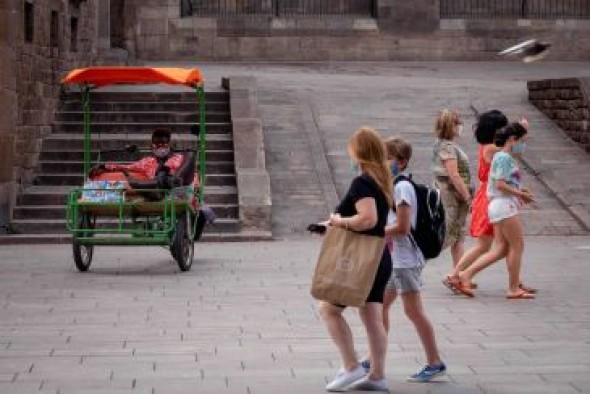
{"x":102,"y":76}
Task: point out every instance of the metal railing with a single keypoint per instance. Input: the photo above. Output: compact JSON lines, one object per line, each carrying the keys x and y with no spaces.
{"x":515,"y":9}
{"x":283,"y":8}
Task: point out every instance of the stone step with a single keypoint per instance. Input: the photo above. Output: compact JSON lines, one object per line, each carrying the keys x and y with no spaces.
{"x":75,"y":142}
{"x":222,"y":211}
{"x":144,"y":107}
{"x":138,"y":127}
{"x":77,"y":167}
{"x":74,"y":156}
{"x":58,"y":226}
{"x":139,"y":96}
{"x":145,"y":116}
{"x":56,"y":195}
{"x":78,"y":179}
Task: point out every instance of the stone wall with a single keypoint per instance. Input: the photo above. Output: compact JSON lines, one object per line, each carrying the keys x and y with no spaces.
{"x":29,"y":85}
{"x":567,"y":103}
{"x":403,"y":30}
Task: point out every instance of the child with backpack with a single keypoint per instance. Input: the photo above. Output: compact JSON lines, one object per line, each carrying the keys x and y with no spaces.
{"x":410,"y":252}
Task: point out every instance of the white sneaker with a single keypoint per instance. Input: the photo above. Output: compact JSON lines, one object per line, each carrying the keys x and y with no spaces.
{"x":343,"y":379}
{"x":367,"y":384}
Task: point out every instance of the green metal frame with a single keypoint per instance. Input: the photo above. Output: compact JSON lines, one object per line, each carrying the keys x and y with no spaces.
{"x":134,"y":226}
{"x":202,"y":141}
{"x":156,"y":227}
{"x":87,"y":143}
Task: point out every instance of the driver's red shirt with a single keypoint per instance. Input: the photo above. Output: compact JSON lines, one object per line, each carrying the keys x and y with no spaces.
{"x":148,"y":165}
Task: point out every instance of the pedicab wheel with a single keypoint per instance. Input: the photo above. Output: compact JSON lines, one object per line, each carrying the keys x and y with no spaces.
{"x":83,"y":253}
{"x":183,"y":245}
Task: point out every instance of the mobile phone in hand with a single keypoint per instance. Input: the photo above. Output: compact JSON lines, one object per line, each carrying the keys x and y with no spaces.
{"x":317,"y":228}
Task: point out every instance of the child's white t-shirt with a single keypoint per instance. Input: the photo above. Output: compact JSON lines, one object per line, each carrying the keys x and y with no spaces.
{"x":405,"y":253}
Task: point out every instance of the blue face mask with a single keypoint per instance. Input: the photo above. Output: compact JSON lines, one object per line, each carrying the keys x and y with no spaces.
{"x":518,"y":148}
{"x":354,"y":167}
{"x":395,"y":168}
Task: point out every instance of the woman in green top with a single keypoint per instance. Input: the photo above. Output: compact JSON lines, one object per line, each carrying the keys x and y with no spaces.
{"x":450,"y":166}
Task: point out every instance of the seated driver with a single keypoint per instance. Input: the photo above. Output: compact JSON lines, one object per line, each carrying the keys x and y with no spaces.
{"x":149,"y":165}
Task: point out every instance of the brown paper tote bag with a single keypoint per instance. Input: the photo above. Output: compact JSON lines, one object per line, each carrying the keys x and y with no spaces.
{"x":346,"y":267}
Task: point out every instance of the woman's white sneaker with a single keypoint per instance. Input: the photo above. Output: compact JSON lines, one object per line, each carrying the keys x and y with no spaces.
{"x":367,"y":384}
{"x":344,"y":378}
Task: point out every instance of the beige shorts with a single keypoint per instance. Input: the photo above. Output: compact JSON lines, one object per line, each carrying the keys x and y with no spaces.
{"x":455,"y":217}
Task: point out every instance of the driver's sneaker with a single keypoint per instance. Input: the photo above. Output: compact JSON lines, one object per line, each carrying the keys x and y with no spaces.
{"x":368,"y":384}
{"x":344,"y":378}
{"x":428,"y":373}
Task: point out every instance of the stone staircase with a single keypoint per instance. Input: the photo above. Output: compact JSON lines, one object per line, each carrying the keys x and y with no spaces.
{"x":118,"y":119}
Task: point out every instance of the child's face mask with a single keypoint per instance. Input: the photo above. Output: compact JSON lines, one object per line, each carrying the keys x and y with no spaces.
{"x":395,"y":170}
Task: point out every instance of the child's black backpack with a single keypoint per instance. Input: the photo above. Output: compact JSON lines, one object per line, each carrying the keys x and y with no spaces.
{"x":429,"y":233}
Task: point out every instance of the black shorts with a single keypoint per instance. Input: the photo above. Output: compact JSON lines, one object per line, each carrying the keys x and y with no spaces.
{"x":381,"y":279}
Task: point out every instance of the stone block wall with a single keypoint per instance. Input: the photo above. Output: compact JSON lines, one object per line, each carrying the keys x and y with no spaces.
{"x":254,"y":195}
{"x":31,"y":68}
{"x":567,"y":103}
{"x":402,"y":30}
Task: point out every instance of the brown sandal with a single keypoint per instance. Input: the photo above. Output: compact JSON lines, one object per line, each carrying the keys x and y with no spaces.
{"x":528,"y":289}
{"x":521,"y":295}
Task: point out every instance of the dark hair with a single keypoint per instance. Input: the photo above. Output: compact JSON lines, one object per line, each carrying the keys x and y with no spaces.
{"x":513,"y":129}
{"x":487,"y":126}
{"x":161,"y":134}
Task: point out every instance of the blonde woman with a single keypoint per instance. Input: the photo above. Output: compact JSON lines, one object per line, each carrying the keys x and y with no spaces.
{"x":363,"y":209}
{"x":450,"y":166}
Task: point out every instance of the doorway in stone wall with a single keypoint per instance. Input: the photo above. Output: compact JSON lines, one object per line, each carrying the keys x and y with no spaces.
{"x":117,"y":23}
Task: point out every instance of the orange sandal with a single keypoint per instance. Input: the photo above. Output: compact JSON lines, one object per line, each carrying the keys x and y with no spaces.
{"x":449,"y":283}
{"x":463,"y":289}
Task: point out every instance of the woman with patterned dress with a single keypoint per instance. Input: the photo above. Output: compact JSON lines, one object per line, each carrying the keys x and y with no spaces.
{"x":450,"y":166}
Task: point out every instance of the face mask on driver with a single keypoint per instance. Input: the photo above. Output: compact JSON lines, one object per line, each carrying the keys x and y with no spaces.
{"x":162,"y":152}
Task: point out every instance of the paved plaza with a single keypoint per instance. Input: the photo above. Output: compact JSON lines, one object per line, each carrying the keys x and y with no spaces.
{"x":242,"y":320}
{"x":309,"y":111}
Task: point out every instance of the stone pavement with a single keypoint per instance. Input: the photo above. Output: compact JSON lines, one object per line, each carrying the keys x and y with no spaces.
{"x":309,"y":104}
{"x":242,"y":321}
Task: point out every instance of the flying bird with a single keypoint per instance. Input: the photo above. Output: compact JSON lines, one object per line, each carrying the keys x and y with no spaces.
{"x":530,"y":50}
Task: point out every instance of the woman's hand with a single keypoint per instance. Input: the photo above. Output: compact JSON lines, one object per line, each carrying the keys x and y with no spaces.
{"x":458,"y":183}
{"x":335,"y":220}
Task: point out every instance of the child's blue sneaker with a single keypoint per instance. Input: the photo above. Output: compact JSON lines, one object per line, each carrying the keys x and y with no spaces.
{"x":428,"y":373}
{"x":366,"y":364}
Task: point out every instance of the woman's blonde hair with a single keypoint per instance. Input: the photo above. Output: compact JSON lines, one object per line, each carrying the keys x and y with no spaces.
{"x":446,"y":124}
{"x":367,"y":148}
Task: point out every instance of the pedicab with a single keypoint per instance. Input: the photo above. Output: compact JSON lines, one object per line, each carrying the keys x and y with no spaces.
{"x":120,"y":208}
